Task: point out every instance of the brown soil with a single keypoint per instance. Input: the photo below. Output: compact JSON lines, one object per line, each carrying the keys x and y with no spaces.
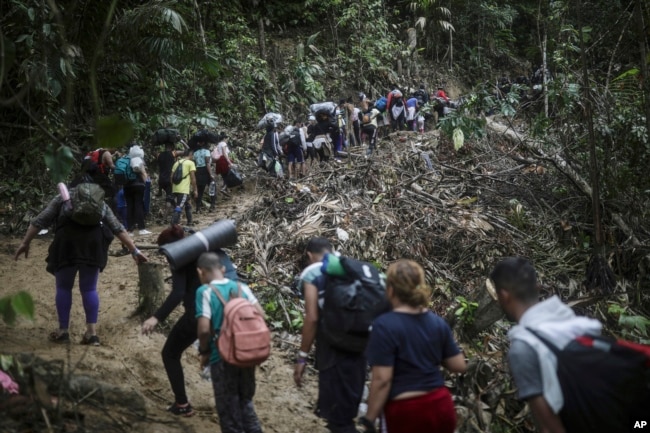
{"x":131,"y":360}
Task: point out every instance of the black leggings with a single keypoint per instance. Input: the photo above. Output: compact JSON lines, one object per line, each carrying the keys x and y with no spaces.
{"x":182,"y":335}
{"x":202,"y":180}
{"x":134,"y":196}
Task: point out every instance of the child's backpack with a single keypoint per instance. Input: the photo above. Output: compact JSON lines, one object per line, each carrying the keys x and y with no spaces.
{"x":177,"y":176}
{"x":244,"y":339}
{"x":123,"y":172}
{"x":605,"y":383}
{"x":87,"y":204}
{"x":354,"y":296}
{"x":366,"y":117}
{"x":381,"y":104}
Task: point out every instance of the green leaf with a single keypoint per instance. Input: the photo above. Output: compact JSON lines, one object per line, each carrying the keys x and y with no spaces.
{"x":23,"y":304}
{"x":31,"y":13}
{"x":6,"y":362}
{"x":113,"y":132}
{"x":59,"y":161}
{"x":289,"y":199}
{"x":378,"y":198}
{"x":7,"y":311}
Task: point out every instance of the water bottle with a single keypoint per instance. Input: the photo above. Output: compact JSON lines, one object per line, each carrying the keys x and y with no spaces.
{"x":212,"y":190}
{"x":65,"y":195}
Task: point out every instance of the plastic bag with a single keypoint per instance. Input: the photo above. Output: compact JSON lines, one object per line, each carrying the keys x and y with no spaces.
{"x":323,"y":107}
{"x":269,"y":119}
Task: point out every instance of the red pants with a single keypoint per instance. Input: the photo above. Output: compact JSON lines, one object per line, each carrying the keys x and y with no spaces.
{"x":430,"y":413}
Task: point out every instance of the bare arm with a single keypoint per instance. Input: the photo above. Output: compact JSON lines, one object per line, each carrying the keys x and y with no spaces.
{"x":195,"y":190}
{"x":455,"y":364}
{"x":310,"y":322}
{"x":31,"y":233}
{"x":204,"y":334}
{"x":138,"y":256}
{"x":107,"y":160}
{"x":382,"y":377}
{"x":547,"y":421}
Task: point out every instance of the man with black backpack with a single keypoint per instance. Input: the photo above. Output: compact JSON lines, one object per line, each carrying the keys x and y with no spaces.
{"x":340,"y":336}
{"x":573,"y":379}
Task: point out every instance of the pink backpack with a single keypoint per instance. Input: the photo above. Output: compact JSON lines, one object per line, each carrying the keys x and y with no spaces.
{"x":244,"y":340}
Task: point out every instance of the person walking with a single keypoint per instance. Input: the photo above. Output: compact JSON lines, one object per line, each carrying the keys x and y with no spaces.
{"x":407,"y":346}
{"x":341,"y":374}
{"x":184,"y":188}
{"x":134,"y":192}
{"x":234,"y":387}
{"x":222,"y":163}
{"x":535,"y":367}
{"x":185,"y":282}
{"x":204,"y":174}
{"x":77,"y":249}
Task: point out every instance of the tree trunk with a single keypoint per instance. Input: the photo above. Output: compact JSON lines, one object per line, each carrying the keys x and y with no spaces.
{"x":201,"y":30}
{"x":487,"y":313}
{"x":261,"y":37}
{"x":151,"y":288}
{"x":638,"y":13}
{"x":593,"y":160}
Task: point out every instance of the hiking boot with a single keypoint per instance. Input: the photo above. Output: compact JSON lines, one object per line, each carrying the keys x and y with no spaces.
{"x":181,"y":410}
{"x":90,"y":340}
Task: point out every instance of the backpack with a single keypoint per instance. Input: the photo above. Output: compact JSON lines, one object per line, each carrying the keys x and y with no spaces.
{"x":88,"y":207}
{"x":365,"y":118}
{"x":605,"y":383}
{"x":123,"y":172}
{"x":244,"y":339}
{"x":294,"y":137}
{"x":177,"y":176}
{"x":96,"y":157}
{"x":381,"y":104}
{"x":164,"y":136}
{"x":354,"y":296}
{"x":421,"y":96}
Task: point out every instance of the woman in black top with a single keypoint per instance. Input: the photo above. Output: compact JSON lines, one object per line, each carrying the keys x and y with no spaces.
{"x":185,"y":282}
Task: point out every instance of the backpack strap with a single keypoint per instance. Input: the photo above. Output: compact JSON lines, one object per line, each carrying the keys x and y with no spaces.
{"x":216,"y":292}
{"x":552,"y":347}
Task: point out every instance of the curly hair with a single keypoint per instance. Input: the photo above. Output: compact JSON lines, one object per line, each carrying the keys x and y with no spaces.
{"x":170,"y":234}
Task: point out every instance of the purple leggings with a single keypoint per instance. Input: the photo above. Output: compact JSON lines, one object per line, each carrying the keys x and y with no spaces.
{"x":88,"y":276}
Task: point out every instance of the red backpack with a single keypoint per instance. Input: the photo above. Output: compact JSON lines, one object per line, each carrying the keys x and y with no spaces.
{"x":244,"y":340}
{"x":96,"y":157}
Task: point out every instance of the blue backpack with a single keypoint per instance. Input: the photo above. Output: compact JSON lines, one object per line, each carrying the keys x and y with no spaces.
{"x":123,"y":172}
{"x":381,"y":104}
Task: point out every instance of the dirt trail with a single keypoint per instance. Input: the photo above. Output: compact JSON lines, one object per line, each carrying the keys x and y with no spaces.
{"x":127,"y":358}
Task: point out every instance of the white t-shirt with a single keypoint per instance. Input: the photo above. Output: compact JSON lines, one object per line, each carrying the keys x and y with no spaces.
{"x":220,"y":150}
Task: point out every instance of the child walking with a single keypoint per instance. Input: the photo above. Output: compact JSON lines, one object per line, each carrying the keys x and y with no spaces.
{"x":234,"y":387}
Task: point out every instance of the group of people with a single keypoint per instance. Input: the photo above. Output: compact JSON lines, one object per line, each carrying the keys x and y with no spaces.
{"x":332,"y":128}
{"x":126,"y":181}
{"x":198,"y":168}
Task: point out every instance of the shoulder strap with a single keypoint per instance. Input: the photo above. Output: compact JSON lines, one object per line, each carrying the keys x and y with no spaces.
{"x":216,"y":292}
{"x":552,"y":347}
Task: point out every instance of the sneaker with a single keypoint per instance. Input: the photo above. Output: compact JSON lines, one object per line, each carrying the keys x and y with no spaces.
{"x":181,"y":410}
{"x":90,"y":340}
{"x":59,"y":337}
{"x":144,"y":232}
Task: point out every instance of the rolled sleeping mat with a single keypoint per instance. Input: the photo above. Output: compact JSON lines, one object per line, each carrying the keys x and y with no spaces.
{"x":218,"y":235}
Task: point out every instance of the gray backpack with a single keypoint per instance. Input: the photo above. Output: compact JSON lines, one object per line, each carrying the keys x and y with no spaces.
{"x":88,"y":207}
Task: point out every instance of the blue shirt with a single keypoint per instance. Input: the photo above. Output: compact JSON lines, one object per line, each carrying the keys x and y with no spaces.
{"x":199,"y":157}
{"x":209,"y":306}
{"x":414,"y":345}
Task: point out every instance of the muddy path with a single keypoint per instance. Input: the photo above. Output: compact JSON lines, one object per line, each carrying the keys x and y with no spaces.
{"x":128,"y":359}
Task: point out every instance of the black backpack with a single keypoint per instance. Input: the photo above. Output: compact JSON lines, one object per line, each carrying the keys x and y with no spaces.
{"x":177,"y":176}
{"x":294,"y":137}
{"x":351,"y":303}
{"x":605,"y":383}
{"x":164,"y":136}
